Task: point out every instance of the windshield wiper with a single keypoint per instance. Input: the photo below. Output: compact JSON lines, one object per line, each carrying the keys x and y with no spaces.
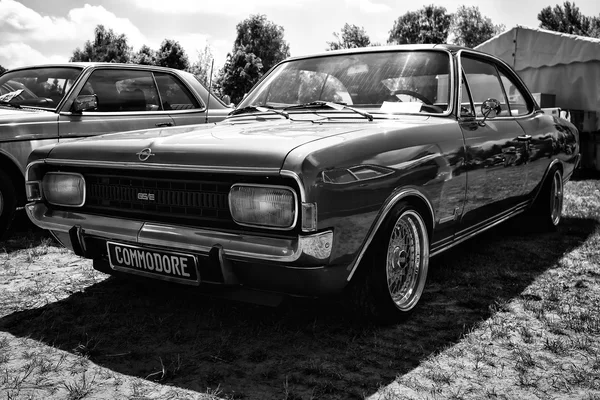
{"x":9,"y":104}
{"x":246,"y":109}
{"x":335,"y":106}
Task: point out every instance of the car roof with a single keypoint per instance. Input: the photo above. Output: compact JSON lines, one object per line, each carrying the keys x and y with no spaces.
{"x":374,"y":49}
{"x":85,"y":65}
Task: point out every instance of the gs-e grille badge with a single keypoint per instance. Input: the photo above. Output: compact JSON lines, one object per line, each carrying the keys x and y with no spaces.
{"x":144,"y":154}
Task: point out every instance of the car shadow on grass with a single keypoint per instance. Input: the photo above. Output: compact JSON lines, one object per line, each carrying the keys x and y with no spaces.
{"x":306,"y":348}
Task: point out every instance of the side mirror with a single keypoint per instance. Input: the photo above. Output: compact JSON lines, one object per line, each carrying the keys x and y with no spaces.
{"x":86,"y":102}
{"x":490,"y":108}
{"x":226,"y":99}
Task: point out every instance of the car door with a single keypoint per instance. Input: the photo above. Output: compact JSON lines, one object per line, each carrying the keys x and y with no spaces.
{"x":496,"y":148}
{"x":127,"y":100}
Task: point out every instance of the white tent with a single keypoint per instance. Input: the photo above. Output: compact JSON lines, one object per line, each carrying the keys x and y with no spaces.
{"x":567,"y":66}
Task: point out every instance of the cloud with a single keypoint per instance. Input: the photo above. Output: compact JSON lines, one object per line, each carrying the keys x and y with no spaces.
{"x":19,"y":23}
{"x":368,"y":6}
{"x":220,"y":7}
{"x":20,"y":54}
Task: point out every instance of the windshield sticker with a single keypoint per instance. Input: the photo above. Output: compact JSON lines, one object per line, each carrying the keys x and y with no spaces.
{"x":401,"y":107}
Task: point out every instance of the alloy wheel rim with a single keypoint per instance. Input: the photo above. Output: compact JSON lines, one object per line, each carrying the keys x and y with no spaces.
{"x":556,"y":199}
{"x":407,"y":260}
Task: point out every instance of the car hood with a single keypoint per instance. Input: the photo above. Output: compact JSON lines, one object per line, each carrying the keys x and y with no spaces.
{"x":263,"y":145}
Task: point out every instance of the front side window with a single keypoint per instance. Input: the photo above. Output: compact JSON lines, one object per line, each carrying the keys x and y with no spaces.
{"x":122,"y":90}
{"x":484,"y":83}
{"x":386,"y":82}
{"x":38,"y":87}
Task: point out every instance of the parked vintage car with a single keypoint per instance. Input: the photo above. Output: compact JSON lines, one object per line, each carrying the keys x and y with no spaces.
{"x":54,"y":103}
{"x":340,"y":172}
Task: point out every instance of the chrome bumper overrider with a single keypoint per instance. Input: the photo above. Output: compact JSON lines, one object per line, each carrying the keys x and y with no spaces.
{"x":302,"y":251}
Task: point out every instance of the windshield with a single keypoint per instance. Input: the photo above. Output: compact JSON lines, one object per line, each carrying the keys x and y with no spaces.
{"x":381,"y":82}
{"x":38,"y":87}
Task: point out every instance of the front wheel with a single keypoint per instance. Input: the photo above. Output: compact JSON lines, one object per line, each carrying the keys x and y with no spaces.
{"x":395,"y":272}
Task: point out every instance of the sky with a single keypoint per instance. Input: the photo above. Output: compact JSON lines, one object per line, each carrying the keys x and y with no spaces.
{"x":42,"y":31}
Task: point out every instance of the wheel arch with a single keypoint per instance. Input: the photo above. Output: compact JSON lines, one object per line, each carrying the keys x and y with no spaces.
{"x":556,"y":163}
{"x":411,"y":195}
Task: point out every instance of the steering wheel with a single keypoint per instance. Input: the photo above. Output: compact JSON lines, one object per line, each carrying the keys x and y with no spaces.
{"x":426,"y":102}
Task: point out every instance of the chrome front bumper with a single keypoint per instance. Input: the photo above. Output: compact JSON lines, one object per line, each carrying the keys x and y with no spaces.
{"x":302,"y":251}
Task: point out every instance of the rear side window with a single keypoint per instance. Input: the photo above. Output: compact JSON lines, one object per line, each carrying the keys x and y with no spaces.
{"x":174,"y":95}
{"x":517,"y":101}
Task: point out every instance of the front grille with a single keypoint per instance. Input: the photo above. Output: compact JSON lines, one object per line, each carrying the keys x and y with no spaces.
{"x":188,"y":198}
{"x":169,"y":198}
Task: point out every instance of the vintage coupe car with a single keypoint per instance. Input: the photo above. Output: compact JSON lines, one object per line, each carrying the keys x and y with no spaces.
{"x":342,"y":172}
{"x":48,"y":104}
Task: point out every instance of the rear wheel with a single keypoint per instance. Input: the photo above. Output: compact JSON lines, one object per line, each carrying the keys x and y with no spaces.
{"x":548,"y":206}
{"x":395,"y":272}
{"x":8,"y":202}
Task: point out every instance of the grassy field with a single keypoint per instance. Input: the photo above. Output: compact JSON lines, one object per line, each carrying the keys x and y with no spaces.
{"x":512,"y":314}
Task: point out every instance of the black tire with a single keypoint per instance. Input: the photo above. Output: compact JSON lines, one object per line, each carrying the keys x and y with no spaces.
{"x":547,"y":209}
{"x":8,"y":202}
{"x":381,"y":291}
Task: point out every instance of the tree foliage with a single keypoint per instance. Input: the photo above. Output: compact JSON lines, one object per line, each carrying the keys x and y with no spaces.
{"x":145,"y":56}
{"x":430,"y":24}
{"x":470,"y":28}
{"x":568,"y":19}
{"x":240,"y":72}
{"x":171,"y":54}
{"x":203,"y":66}
{"x":350,"y":37}
{"x":2,"y":70}
{"x":258,"y":46}
{"x":263,"y":38}
{"x":107,"y":46}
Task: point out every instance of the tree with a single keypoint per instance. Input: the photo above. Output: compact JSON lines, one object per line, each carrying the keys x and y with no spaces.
{"x":469,"y":28}
{"x":106,"y":47}
{"x":2,"y":70}
{"x":258,"y":46}
{"x":240,"y":72}
{"x":430,"y":24}
{"x":262,"y":38}
{"x":350,"y":37}
{"x":145,"y":56}
{"x":171,"y":54}
{"x":567,"y":19}
{"x":202,"y":68}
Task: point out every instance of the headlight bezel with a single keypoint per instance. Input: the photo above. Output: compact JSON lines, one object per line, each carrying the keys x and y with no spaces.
{"x":268,"y":187}
{"x":54,"y":203}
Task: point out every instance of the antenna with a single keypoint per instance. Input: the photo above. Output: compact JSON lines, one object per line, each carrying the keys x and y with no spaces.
{"x":209,"y":89}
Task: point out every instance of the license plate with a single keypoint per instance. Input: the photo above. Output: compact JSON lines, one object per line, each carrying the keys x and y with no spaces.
{"x":165,"y":265}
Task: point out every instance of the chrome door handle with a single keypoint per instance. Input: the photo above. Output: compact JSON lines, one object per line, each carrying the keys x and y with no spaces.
{"x":524,"y":137}
{"x":161,"y":124}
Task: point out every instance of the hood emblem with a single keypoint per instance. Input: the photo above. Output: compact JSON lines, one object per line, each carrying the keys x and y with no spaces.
{"x":145,"y":154}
